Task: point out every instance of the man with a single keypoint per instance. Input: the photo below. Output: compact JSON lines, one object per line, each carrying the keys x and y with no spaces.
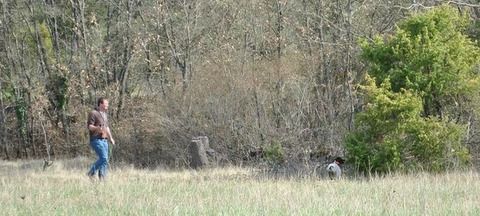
{"x":97,"y":124}
{"x":334,"y":170}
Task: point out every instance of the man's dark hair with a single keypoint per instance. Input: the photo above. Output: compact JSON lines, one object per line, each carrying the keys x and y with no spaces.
{"x":100,"y":101}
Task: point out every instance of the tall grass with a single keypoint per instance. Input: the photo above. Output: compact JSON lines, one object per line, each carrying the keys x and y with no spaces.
{"x":64,"y":189}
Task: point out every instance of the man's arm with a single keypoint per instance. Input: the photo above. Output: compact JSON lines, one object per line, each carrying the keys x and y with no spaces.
{"x":94,"y":128}
{"x":91,"y":124}
{"x":109,"y":134}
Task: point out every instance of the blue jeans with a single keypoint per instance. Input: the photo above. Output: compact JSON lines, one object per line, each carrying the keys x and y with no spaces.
{"x":101,"y":148}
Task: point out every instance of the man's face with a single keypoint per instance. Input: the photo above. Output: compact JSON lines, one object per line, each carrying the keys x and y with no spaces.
{"x":104,"y":105}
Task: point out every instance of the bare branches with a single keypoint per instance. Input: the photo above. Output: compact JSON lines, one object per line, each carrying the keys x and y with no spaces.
{"x":415,"y":5}
{"x":248,"y":72}
{"x":464,"y":4}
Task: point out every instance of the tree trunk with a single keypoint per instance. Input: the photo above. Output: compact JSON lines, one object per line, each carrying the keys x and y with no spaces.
{"x":3,"y":128}
{"x":348,"y":72}
{"x":127,"y":54}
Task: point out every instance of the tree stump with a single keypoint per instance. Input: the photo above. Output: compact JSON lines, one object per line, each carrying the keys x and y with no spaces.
{"x":198,"y":154}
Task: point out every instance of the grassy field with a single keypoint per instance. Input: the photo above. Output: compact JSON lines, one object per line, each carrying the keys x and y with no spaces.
{"x":64,"y":189}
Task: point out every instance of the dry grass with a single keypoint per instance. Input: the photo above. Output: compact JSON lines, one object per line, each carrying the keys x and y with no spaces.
{"x":65,"y":190}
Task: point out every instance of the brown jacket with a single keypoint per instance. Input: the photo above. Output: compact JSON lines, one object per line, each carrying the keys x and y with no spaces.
{"x":97,"y":118}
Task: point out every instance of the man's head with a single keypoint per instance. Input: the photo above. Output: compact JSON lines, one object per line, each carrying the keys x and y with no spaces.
{"x":102,"y":104}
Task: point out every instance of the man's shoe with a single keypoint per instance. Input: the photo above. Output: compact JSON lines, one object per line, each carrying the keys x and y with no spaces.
{"x":91,"y":177}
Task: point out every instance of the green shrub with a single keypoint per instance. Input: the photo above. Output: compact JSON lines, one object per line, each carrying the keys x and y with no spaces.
{"x":274,"y":153}
{"x":391,"y":135}
{"x":420,"y":75}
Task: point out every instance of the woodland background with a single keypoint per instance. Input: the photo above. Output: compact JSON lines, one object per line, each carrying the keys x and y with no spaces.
{"x":249,"y":74}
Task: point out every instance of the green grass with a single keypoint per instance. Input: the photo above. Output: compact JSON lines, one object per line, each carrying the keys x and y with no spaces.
{"x":64,"y":189}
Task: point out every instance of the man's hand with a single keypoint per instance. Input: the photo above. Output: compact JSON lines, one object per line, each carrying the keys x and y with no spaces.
{"x":100,"y":130}
{"x":112,"y":141}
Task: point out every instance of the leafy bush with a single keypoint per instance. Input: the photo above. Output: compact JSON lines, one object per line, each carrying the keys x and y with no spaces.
{"x":420,"y":75}
{"x":430,"y":54}
{"x":391,"y":135}
{"x":274,"y":153}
